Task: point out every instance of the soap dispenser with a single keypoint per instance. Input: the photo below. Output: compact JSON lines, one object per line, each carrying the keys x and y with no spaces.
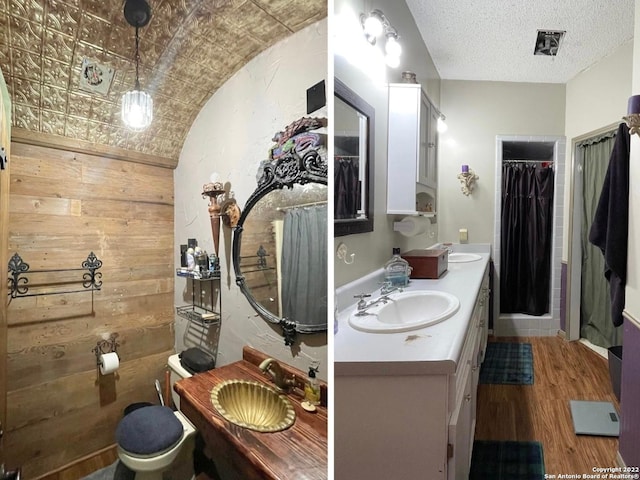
{"x":312,"y":388}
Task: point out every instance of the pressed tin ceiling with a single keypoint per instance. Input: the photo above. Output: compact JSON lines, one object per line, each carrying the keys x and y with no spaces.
{"x":188,"y":50}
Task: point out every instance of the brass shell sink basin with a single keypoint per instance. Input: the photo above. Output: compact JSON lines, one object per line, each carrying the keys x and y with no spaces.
{"x":253,"y":405}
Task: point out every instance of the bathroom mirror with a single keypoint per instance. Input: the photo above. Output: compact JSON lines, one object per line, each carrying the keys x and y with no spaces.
{"x":280,"y":242}
{"x":354,"y":159}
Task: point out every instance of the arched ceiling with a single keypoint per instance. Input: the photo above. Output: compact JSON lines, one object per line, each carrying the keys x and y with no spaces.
{"x":188,"y":50}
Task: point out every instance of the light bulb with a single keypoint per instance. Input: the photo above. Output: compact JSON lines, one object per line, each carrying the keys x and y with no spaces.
{"x":393,"y":47}
{"x":137,"y":109}
{"x":373,"y":25}
{"x":392,"y":61}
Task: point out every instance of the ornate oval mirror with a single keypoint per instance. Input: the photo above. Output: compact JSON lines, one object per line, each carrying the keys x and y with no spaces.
{"x":280,"y":242}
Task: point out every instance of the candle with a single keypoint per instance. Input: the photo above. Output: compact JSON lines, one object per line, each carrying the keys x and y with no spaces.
{"x":634,"y":105}
{"x":465,"y":168}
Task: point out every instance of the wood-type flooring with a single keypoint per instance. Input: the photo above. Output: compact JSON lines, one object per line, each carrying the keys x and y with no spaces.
{"x":563,"y":371}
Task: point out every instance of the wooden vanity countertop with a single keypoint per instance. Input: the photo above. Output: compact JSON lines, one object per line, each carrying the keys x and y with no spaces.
{"x":299,"y":452}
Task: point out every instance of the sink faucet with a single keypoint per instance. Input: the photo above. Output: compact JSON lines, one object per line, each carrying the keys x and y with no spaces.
{"x":386,"y":290}
{"x":273,"y":368}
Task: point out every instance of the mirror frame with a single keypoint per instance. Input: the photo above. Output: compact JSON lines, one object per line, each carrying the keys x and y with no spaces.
{"x":351,"y":98}
{"x":286,"y":171}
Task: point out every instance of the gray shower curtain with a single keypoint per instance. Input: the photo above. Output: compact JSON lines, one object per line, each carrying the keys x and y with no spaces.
{"x":595,"y":302}
{"x":304,"y":267}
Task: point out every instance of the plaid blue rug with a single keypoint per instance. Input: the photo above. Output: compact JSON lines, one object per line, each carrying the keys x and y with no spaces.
{"x":506,"y":461}
{"x":507,"y":363}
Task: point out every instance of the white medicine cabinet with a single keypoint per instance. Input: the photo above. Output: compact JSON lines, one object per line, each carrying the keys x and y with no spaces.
{"x":412,"y":151}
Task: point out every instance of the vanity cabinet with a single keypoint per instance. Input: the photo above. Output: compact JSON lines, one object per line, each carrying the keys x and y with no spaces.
{"x":405,"y":418}
{"x":464,"y":388}
{"x":412,"y":151}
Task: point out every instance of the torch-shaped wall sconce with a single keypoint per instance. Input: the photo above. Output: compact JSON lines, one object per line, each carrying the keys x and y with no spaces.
{"x":633,"y":115}
{"x":220,"y":207}
{"x":467,"y":179}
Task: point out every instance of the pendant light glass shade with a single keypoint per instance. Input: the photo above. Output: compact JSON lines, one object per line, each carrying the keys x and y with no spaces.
{"x":137,"y":109}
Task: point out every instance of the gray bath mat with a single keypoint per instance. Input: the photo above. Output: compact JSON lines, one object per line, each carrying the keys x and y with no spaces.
{"x":595,"y":418}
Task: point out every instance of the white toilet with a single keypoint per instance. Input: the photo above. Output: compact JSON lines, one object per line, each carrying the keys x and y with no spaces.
{"x":151,"y":467}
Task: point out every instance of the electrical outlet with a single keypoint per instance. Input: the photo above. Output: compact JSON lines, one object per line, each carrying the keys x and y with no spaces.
{"x":464,"y":235}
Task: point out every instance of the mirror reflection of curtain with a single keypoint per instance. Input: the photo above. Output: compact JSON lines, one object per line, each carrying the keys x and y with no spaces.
{"x":304,"y":266}
{"x":347,"y":187}
{"x":527,"y":225}
{"x":595,"y":302}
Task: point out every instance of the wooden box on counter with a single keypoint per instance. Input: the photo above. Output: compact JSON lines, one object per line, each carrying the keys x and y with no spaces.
{"x":427,"y":263}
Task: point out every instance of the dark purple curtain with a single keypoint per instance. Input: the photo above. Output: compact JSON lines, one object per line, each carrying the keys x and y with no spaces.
{"x":346,"y":187}
{"x":527,"y":225}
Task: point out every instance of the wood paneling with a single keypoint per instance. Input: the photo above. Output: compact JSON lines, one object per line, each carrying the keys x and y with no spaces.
{"x":5,"y":141}
{"x":63,"y":205}
{"x":563,"y":371}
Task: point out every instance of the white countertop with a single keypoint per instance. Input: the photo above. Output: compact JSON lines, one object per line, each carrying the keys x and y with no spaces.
{"x":431,"y":350}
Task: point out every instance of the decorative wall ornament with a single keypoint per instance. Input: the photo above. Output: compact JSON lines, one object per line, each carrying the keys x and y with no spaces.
{"x":467,"y":180}
{"x":633,"y":115}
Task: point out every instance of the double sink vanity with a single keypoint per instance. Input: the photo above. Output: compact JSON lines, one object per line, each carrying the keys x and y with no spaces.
{"x":406,"y":371}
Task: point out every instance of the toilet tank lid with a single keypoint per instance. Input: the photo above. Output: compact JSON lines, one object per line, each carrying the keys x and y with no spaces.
{"x":174,"y":364}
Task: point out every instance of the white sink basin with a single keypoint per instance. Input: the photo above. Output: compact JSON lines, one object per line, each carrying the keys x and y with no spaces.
{"x":406,"y":311}
{"x":463,"y":257}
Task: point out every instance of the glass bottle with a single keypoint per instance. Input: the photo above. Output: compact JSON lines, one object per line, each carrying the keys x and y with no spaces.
{"x":396,"y":270}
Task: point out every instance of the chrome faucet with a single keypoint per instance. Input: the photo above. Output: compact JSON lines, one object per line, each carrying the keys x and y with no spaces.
{"x":273,"y":368}
{"x":386,"y":290}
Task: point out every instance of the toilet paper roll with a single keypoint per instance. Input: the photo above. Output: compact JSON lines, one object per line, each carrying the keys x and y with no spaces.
{"x":109,"y":363}
{"x":412,"y":226}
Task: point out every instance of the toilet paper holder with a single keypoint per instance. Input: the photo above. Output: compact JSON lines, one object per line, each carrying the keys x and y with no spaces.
{"x":103,"y":346}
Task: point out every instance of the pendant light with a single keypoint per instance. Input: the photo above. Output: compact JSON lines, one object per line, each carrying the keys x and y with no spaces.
{"x":137,"y":105}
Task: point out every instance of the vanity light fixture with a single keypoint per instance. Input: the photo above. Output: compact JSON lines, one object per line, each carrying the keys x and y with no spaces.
{"x":633,"y":115}
{"x":375,"y":25}
{"x":137,"y":105}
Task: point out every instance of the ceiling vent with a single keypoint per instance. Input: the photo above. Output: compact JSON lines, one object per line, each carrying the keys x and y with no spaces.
{"x":95,"y":78}
{"x":548,"y":42}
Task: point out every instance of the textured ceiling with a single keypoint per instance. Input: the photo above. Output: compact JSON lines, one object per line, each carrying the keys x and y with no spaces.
{"x":188,"y":50}
{"x":494,"y":40}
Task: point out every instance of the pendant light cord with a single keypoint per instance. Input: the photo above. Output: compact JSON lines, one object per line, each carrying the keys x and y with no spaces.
{"x":137,"y":87}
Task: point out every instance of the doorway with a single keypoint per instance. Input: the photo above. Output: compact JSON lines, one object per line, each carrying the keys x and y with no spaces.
{"x":548,"y":152}
{"x":589,"y":311}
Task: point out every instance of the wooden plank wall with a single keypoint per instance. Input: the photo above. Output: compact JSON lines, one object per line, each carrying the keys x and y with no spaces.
{"x":63,"y":205}
{"x":5,"y":141}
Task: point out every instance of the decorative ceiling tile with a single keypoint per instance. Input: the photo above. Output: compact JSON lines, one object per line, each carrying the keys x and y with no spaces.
{"x":25,"y":35}
{"x":94,"y":31}
{"x":64,"y":18}
{"x":295,"y":14}
{"x":54,"y":73}
{"x":25,"y":64}
{"x":188,"y":50}
{"x":53,"y":122}
{"x":26,"y":116}
{"x":26,"y":92}
{"x":53,"y":98}
{"x":79,"y":104}
{"x":76,"y":127}
{"x":58,"y":46}
{"x":98,"y":132}
{"x":32,"y":9}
